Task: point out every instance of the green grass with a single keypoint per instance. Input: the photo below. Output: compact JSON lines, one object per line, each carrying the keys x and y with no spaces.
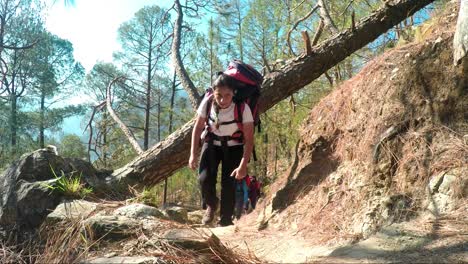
{"x":70,"y":186}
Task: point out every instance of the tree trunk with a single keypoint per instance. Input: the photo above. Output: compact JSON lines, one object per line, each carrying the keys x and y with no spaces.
{"x":147,"y":104}
{"x":188,"y":85}
{"x":41,"y":121}
{"x":171,"y":154}
{"x":13,"y":122}
{"x":171,"y":116}
{"x":159,"y":115}
{"x":325,"y":16}
{"x":460,"y":40}
{"x":131,"y":138}
{"x":104,"y":140}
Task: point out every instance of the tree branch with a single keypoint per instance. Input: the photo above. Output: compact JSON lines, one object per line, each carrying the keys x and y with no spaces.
{"x":318,"y":33}
{"x":123,"y":127}
{"x":326,"y":17}
{"x":296,"y":24}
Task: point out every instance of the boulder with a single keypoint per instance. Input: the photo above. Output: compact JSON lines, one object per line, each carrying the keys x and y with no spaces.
{"x":26,"y":196}
{"x":112,"y":227}
{"x":195,"y":217}
{"x":25,"y":200}
{"x":139,"y":211}
{"x":446,"y":189}
{"x":177,"y":214}
{"x":93,"y":177}
{"x":186,"y":238}
{"x":124,"y":260}
{"x":74,"y":209}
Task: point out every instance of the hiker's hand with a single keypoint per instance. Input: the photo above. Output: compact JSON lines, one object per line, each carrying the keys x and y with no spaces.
{"x":240,"y":172}
{"x":192,"y":164}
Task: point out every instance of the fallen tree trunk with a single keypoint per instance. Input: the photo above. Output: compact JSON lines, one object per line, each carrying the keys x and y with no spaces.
{"x":157,"y":163}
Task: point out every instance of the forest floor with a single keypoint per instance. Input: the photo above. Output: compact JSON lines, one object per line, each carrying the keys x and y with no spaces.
{"x":426,"y":239}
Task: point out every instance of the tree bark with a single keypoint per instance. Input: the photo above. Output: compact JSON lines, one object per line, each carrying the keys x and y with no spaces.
{"x":160,"y":161}
{"x":121,"y":124}
{"x":42,"y":120}
{"x":460,"y":40}
{"x":148,"y":100}
{"x":13,"y":122}
{"x":325,"y":16}
{"x":185,"y":80}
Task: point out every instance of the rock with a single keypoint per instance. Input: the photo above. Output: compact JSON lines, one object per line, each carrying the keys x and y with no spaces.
{"x":75,"y":209}
{"x":138,"y":211}
{"x":435,"y":182}
{"x":186,"y":238}
{"x":25,"y":199}
{"x":446,"y":184}
{"x":124,"y":260}
{"x":112,"y":227}
{"x":195,"y":217}
{"x":446,"y":189}
{"x":33,"y":201}
{"x":89,"y":174}
{"x":177,"y":214}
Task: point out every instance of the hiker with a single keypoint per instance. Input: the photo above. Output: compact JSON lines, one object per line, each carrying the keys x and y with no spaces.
{"x":242,"y":197}
{"x":225,"y":126}
{"x":254,"y":190}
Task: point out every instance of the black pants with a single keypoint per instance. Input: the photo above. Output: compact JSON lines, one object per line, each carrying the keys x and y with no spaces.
{"x":209,"y":162}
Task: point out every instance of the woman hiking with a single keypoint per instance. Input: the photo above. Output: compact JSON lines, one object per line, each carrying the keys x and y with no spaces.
{"x":228,"y":139}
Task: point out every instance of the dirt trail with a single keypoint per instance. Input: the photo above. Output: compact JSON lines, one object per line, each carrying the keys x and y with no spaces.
{"x":423,"y":240}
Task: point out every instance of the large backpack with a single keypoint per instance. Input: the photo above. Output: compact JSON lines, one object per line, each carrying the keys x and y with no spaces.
{"x":248,"y":92}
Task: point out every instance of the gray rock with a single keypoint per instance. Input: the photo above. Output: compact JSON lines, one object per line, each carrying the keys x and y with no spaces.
{"x":112,"y":227}
{"x":446,"y":187}
{"x":93,"y":177}
{"x":25,"y":200}
{"x":186,"y":238}
{"x":33,"y":201}
{"x":435,"y":182}
{"x":177,"y":214}
{"x":195,"y":217}
{"x":139,"y":210}
{"x":75,"y":209}
{"x":124,"y":260}
{"x":30,"y":168}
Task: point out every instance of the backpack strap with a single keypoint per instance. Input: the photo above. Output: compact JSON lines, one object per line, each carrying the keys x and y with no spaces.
{"x":238,"y":115}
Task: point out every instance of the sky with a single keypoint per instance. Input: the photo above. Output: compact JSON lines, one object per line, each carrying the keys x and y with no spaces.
{"x":91,"y":25}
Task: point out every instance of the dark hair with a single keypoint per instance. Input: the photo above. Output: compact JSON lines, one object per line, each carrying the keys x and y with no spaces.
{"x":224,"y":80}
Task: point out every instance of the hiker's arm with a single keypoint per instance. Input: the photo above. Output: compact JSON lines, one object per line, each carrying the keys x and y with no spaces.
{"x":241,"y":171}
{"x":196,"y":133}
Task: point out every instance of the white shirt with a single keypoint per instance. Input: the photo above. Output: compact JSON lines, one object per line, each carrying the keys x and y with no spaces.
{"x":225,"y":115}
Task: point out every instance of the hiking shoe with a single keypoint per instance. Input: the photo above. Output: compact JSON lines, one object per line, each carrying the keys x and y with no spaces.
{"x":225,"y":222}
{"x":209,"y":214}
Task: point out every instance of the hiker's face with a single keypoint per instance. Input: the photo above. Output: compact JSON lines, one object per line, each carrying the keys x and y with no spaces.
{"x":223,"y":96}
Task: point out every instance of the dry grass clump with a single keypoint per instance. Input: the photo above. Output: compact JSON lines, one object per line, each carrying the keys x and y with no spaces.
{"x":65,"y":242}
{"x":215,"y":251}
{"x":452,"y":152}
{"x":224,"y":254}
{"x":11,"y":254}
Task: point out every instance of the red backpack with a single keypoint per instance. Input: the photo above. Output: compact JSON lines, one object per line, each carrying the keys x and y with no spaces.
{"x":248,"y":93}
